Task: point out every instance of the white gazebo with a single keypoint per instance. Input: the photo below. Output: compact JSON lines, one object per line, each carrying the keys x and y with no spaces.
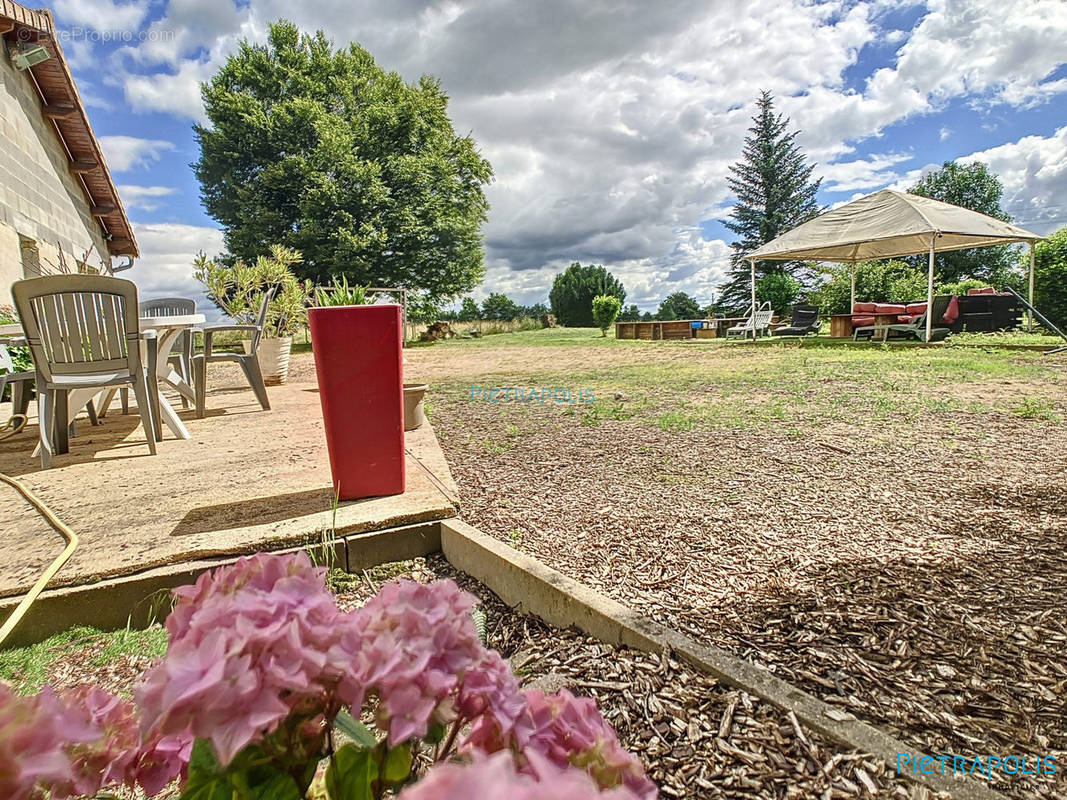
{"x":889,"y":224}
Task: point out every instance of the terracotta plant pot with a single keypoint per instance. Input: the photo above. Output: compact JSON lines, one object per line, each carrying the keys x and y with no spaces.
{"x":414,"y":415}
{"x":358,"y":362}
{"x":273,"y":357}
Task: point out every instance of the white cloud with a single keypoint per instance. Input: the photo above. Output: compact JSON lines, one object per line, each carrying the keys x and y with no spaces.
{"x":145,"y":198}
{"x":611,"y":125}
{"x":1034,"y":173}
{"x":84,"y":19}
{"x":124,"y":153}
{"x":944,"y":133}
{"x":165,"y":268}
{"x":862,"y":173}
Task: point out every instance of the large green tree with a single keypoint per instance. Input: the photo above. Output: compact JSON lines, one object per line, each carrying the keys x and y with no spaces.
{"x":775,"y":193}
{"x":573,"y":291}
{"x":325,"y":152}
{"x":972,"y":186}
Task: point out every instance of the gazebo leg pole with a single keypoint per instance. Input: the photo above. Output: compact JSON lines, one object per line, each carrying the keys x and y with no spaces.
{"x":752,"y":264}
{"x":1030,"y":314}
{"x":852,"y":291}
{"x":930,"y":291}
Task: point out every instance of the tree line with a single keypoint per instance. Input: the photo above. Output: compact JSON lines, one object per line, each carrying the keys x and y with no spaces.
{"x":320,"y":150}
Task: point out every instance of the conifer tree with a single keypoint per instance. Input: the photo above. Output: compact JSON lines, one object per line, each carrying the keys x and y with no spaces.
{"x":774,"y":191}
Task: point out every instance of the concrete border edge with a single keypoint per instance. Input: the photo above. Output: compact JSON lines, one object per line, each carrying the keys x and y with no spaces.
{"x":525,"y":583}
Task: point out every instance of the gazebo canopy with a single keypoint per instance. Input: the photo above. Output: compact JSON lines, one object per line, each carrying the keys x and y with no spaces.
{"x":888,"y":224}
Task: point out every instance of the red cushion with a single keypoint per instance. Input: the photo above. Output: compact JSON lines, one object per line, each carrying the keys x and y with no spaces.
{"x":915,"y":308}
{"x":904,"y":319}
{"x":858,"y":322}
{"x":952,"y":313}
{"x":863,"y":308}
{"x":984,"y":290}
{"x":889,"y":308}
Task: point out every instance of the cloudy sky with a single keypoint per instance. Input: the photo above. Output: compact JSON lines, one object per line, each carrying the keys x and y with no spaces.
{"x":610,"y":125}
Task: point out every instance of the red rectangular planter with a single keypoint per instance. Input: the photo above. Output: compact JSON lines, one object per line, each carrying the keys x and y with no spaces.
{"x":359,"y":363}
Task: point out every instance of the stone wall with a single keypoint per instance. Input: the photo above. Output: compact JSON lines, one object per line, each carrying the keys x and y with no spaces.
{"x":43,"y":207}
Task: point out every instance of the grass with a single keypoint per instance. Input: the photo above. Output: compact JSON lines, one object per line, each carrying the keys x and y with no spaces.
{"x":1037,"y":409}
{"x":26,"y":668}
{"x":679,"y":386}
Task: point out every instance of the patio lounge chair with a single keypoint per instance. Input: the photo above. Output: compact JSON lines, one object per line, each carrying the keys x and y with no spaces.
{"x":805,"y":320}
{"x":249,"y":362}
{"x":916,"y":328}
{"x":83,"y":333}
{"x":756,"y":323}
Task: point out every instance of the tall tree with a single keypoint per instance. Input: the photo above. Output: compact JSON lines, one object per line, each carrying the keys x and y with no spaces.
{"x":775,"y":193}
{"x":323,"y":151}
{"x":500,"y":306}
{"x":972,"y":186}
{"x":468,"y":310}
{"x":679,"y":306}
{"x":573,"y":291}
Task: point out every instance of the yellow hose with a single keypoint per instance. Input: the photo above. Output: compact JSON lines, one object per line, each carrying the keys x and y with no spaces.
{"x":55,"y":522}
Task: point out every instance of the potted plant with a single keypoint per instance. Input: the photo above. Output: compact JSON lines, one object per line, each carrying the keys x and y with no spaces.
{"x":341,"y":294}
{"x":238,"y":290}
{"x":359,"y":368}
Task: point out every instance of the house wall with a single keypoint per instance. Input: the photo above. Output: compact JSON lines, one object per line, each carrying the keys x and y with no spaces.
{"x":43,"y":206}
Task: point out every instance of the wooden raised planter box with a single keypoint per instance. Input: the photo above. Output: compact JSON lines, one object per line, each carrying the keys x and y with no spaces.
{"x":655,"y":331}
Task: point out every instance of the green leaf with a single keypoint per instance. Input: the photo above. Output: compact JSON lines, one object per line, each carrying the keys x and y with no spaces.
{"x":435,"y":734}
{"x":203,"y":763}
{"x":397,"y":766}
{"x":355,"y":730}
{"x":278,"y":787}
{"x":353,"y":770}
{"x":217,"y":789}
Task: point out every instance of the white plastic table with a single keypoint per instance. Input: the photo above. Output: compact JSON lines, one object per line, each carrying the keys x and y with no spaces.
{"x":167,"y":329}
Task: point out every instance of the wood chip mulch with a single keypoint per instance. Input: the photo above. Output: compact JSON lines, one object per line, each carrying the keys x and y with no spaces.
{"x":913,"y":574}
{"x":696,"y":737}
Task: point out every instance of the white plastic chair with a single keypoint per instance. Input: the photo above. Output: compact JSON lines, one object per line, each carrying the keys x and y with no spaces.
{"x":83,"y":333}
{"x":755,"y":323}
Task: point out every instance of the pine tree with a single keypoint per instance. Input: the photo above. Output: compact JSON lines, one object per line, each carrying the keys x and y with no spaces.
{"x":774,"y":194}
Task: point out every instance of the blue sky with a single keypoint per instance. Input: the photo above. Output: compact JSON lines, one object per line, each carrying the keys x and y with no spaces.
{"x":610,"y":125}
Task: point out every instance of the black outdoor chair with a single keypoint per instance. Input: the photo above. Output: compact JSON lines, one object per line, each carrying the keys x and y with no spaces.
{"x":805,"y":320}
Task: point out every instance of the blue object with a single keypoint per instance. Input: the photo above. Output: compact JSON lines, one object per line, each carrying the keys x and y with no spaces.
{"x":696,"y":325}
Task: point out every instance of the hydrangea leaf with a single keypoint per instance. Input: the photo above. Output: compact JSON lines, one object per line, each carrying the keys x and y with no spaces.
{"x":352,"y":772}
{"x":354,"y":729}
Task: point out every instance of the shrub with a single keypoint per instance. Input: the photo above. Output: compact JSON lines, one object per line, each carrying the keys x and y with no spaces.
{"x":262,"y":667}
{"x":1050,"y":277}
{"x":781,"y":289}
{"x":876,"y":282}
{"x":606,"y":308}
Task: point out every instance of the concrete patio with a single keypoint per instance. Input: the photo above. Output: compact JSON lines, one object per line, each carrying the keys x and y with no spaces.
{"x":247,"y":480}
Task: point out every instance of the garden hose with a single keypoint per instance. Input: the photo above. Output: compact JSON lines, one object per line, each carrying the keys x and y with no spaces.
{"x":53,"y":520}
{"x":15,"y":423}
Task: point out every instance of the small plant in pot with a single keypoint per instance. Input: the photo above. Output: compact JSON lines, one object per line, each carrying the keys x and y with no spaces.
{"x":238,"y":290}
{"x":340,"y":293}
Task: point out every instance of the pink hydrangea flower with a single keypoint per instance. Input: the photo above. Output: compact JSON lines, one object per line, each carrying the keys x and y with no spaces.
{"x":420,"y":652}
{"x":34,"y":736}
{"x":496,"y":776}
{"x":117,"y":756}
{"x":249,"y":644}
{"x":566,"y":730}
